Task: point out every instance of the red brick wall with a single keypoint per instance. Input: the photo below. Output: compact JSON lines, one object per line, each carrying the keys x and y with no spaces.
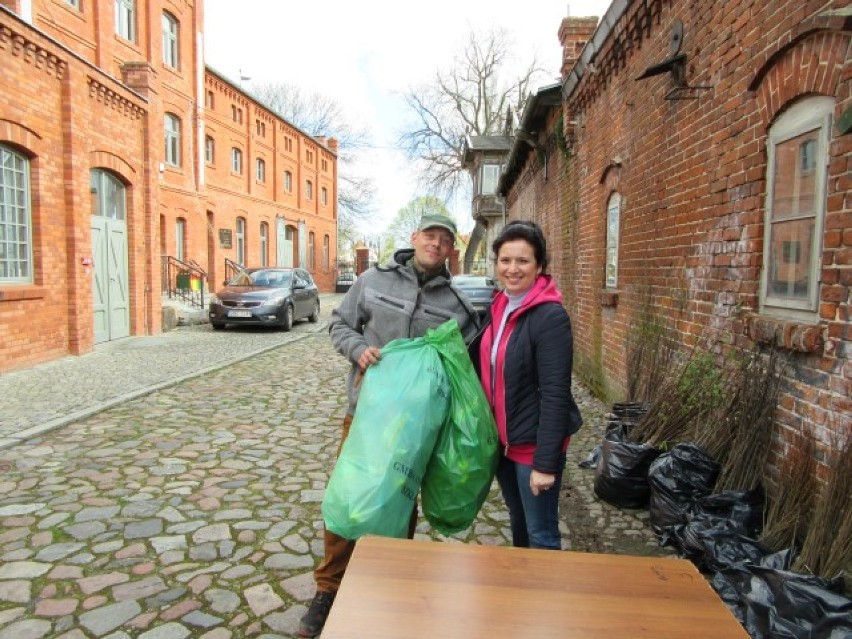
{"x":283,"y":148}
{"x":538,"y":196}
{"x":693,"y":177}
{"x":69,"y":117}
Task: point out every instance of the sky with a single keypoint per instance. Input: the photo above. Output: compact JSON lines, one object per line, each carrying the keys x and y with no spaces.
{"x":381,"y":48}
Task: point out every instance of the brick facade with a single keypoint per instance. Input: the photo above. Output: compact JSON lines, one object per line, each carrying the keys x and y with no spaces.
{"x":79,"y":97}
{"x":693,"y":177}
{"x":693,"y":174}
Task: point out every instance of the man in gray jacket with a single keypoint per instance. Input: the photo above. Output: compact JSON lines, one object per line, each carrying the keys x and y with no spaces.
{"x":403,"y":298}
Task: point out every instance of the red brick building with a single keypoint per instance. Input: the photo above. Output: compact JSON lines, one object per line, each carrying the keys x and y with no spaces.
{"x":118,"y":147}
{"x":697,"y":167}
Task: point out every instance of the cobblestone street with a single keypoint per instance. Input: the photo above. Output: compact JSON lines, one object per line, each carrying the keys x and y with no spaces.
{"x":194,"y":510}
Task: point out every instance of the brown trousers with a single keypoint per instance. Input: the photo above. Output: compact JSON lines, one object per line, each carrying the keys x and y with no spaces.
{"x":338,"y":550}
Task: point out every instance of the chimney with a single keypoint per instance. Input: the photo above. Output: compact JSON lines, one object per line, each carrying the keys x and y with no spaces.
{"x":573,"y":35}
{"x":333,"y":144}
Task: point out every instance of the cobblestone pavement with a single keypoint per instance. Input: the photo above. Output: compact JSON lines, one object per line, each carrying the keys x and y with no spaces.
{"x":194,"y":510}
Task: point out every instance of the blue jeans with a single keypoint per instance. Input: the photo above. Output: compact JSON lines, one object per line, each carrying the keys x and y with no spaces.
{"x":534,"y":519}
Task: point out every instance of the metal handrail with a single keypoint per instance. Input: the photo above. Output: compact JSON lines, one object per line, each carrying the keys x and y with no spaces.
{"x":181,"y":280}
{"x":232,"y":269}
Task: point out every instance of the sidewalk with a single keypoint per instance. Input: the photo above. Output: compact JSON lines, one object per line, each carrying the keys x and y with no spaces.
{"x":50,"y":395}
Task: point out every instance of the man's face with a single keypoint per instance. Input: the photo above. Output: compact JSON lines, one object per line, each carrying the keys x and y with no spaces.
{"x":432,"y":247}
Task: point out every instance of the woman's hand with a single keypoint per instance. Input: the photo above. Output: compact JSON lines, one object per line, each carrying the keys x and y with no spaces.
{"x":368,"y":357}
{"x":540,"y":481}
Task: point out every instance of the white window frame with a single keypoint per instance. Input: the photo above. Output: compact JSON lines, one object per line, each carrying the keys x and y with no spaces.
{"x":613,"y":230}
{"x":325,"y":252}
{"x":288,"y":181}
{"x":180,"y":238}
{"x":324,"y":196}
{"x":311,"y":254}
{"x":810,"y":114}
{"x":16,"y":245}
{"x":489,"y":174}
{"x":236,"y":161}
{"x":210,"y":150}
{"x":171,"y":126}
{"x":309,"y":190}
{"x":264,"y":244}
{"x":241,"y":241}
{"x":125,"y":19}
{"x":260,"y":170}
{"x":73,"y":3}
{"x":171,"y":29}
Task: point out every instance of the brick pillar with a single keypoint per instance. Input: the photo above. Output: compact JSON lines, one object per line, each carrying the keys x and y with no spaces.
{"x":139,"y":76}
{"x":362,"y":259}
{"x":573,"y":35}
{"x":453,"y":264}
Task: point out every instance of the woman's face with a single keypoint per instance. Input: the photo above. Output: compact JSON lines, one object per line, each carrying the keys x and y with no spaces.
{"x":516,"y":266}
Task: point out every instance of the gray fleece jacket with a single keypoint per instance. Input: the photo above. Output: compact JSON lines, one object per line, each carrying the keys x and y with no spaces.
{"x":386,"y":303}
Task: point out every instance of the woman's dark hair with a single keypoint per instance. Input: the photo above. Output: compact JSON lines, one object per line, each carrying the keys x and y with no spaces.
{"x":528,"y":231}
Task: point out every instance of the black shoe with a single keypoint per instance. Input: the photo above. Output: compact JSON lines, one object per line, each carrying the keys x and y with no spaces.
{"x":314,"y":619}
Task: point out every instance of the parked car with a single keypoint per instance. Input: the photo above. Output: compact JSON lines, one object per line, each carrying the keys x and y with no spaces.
{"x":344,"y":282}
{"x":479,"y":289}
{"x":266,"y":297}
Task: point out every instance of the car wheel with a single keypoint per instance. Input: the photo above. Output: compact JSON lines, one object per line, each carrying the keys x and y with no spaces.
{"x":217,"y":326}
{"x":314,"y":317}
{"x":289,"y":318}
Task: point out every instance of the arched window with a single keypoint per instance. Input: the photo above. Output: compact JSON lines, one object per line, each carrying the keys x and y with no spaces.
{"x":180,"y":239}
{"x":261,"y":170}
{"x":108,"y":196}
{"x":172,"y":129}
{"x":16,"y":250}
{"x":311,"y":258}
{"x":170,"y":40}
{"x":264,"y":244}
{"x":209,"y":150}
{"x":236,"y":161}
{"x":288,"y":181}
{"x":796,"y":175}
{"x":309,"y":190}
{"x":324,"y":196}
{"x":241,"y":241}
{"x":326,"y":258}
{"x":613,"y":225}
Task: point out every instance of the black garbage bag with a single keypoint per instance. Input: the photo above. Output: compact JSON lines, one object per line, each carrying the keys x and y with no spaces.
{"x":741,"y":507}
{"x":621,"y":476}
{"x":615,"y":429}
{"x":592,"y":460}
{"x":713,"y":543}
{"x":775,"y":603}
{"x":676,"y":480}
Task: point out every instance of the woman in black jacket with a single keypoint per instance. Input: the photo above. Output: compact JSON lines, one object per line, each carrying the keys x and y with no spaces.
{"x":523,"y":356}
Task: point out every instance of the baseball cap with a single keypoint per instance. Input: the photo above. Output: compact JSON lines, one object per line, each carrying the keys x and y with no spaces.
{"x":433,"y":220}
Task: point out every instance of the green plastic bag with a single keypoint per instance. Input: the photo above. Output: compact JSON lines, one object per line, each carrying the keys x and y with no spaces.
{"x":404,"y":400}
{"x":465,"y":457}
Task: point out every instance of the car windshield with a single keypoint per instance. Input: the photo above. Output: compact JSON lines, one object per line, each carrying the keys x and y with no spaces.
{"x":473,"y":280}
{"x":262,"y":277}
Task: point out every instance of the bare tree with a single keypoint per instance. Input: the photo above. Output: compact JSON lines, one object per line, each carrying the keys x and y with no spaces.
{"x":471,"y":98}
{"x":407,"y":218}
{"x":317,"y":114}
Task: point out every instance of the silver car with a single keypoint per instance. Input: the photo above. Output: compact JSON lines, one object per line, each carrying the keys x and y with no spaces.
{"x":266,"y":297}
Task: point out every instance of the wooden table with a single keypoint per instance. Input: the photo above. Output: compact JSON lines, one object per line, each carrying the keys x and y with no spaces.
{"x":400,"y":589}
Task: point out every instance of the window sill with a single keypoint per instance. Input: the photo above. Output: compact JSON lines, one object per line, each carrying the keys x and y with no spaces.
{"x":783,"y":333}
{"x":609,"y":297}
{"x":25,"y":292}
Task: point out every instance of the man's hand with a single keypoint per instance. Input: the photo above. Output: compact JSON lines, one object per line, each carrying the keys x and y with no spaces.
{"x":370,"y":356}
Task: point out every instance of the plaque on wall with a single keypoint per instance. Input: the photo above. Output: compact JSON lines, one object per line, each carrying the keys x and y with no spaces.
{"x":225,"y":238}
